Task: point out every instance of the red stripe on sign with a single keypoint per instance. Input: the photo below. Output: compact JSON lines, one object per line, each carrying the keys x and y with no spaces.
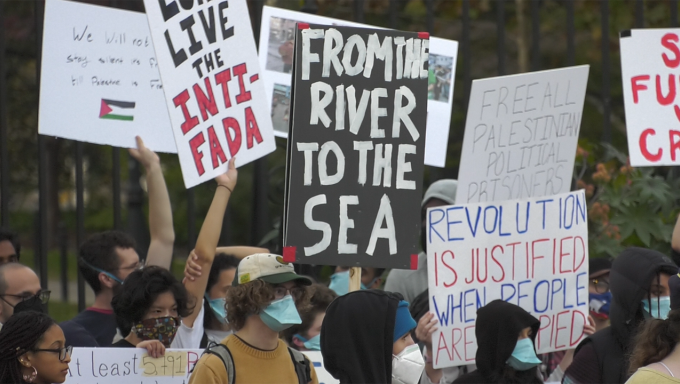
{"x":289,"y":254}
{"x":303,"y":26}
{"x":414,"y":262}
{"x":423,"y":35}
{"x":254,"y":78}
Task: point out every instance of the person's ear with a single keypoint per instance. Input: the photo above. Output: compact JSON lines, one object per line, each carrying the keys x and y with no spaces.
{"x":25,"y":360}
{"x":298,"y":343}
{"x":106,"y":281}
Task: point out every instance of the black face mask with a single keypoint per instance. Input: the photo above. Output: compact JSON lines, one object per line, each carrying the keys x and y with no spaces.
{"x":32,"y":304}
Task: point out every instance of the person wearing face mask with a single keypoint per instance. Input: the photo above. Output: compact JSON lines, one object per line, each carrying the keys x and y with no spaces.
{"x":656,"y":357}
{"x":307,"y":335}
{"x":371,"y":278}
{"x":33,"y":350}
{"x":599,"y":295}
{"x":151,"y":305}
{"x":263,"y":301}
{"x":638,"y":281}
{"x":20,"y":290}
{"x":374,"y":325}
{"x":410,"y":283}
{"x":505,"y":346}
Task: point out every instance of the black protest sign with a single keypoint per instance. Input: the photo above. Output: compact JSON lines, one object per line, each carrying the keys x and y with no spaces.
{"x":355,"y":151}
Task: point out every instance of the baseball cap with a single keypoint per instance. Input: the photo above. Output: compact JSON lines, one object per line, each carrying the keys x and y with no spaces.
{"x":599,"y":266}
{"x":269,"y":268}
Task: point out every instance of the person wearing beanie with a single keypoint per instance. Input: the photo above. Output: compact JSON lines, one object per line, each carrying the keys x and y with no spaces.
{"x":410,"y":283}
{"x":376,"y":327}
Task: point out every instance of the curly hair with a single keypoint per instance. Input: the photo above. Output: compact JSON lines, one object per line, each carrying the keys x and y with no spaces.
{"x":250,"y":298}
{"x":655,"y":340}
{"x":140,"y":291}
{"x":20,"y":334}
{"x":320,"y":298}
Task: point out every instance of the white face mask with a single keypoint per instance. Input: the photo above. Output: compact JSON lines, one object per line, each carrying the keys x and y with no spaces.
{"x":407,"y":367}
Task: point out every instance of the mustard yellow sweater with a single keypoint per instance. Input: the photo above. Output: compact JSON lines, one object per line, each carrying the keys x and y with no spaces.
{"x":251,"y":365}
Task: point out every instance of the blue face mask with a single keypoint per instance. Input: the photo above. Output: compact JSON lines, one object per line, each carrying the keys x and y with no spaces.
{"x":340,"y":283}
{"x":281,"y":314}
{"x":218,"y":308}
{"x":599,"y":304}
{"x":313,"y":344}
{"x":524,"y":356}
{"x":369,"y":284}
{"x":659,"y":308}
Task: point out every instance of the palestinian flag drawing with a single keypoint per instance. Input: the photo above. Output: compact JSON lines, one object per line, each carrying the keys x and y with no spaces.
{"x":117,"y":110}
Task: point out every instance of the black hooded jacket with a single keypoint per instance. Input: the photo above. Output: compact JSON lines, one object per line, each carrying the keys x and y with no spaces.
{"x":602,"y":357}
{"x":497,"y":327}
{"x":357,"y":336}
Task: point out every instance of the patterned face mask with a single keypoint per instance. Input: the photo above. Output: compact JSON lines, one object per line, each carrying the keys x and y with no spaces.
{"x":162,"y":329}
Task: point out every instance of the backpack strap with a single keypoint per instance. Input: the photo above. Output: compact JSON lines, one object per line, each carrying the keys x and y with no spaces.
{"x":204,"y":341}
{"x":302,"y":366}
{"x":221,"y":351}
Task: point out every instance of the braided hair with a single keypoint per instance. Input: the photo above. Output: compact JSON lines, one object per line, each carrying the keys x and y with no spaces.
{"x":20,"y":334}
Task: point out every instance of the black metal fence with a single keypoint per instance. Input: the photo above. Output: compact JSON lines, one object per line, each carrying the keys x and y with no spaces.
{"x":529,"y":35}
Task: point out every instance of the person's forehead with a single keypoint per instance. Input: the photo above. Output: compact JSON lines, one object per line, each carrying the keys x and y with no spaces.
{"x":21,"y":280}
{"x":7,"y":249}
{"x":165,"y":299}
{"x":434,"y":202}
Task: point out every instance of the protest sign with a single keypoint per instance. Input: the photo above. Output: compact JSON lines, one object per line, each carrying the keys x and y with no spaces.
{"x":211,"y":78}
{"x":100,"y":83}
{"x":521,"y":135}
{"x":649,"y":64}
{"x":276,"y":57}
{"x":532,"y":253}
{"x":130,"y":365}
{"x":355,"y":152}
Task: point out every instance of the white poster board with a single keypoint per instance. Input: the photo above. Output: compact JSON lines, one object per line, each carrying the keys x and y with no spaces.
{"x":532,"y":253}
{"x":99,"y":81}
{"x":649,"y":69}
{"x":211,"y":78}
{"x":276,"y":55}
{"x":130,"y":365}
{"x":521,"y":135}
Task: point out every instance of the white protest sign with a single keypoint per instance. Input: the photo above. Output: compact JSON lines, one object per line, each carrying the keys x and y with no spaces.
{"x":130,"y":365}
{"x":211,"y":78}
{"x":276,"y":59}
{"x":521,"y":135}
{"x":99,"y":80}
{"x":316,"y":359}
{"x":649,"y":69}
{"x":532,"y":253}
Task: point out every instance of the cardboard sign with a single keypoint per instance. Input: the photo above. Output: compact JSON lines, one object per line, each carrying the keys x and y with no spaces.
{"x":130,"y":365}
{"x":99,"y":79}
{"x":276,"y":57}
{"x":521,"y":135}
{"x":532,"y":253}
{"x":649,"y":69}
{"x":211,"y":77}
{"x":355,"y":153}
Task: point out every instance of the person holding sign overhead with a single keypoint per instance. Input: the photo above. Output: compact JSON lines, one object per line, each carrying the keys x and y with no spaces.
{"x":33,"y":350}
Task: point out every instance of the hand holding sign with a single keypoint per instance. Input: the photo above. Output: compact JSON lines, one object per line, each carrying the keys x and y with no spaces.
{"x":229,"y":178}
{"x":144,"y":155}
{"x":154,"y":348}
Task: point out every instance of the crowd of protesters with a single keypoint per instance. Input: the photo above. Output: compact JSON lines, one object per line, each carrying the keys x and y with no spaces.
{"x":247,"y":308}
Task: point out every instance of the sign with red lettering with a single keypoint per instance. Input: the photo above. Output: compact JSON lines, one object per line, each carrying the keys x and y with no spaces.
{"x":649,"y":69}
{"x":211,"y":77}
{"x":521,"y":135}
{"x":532,"y":253}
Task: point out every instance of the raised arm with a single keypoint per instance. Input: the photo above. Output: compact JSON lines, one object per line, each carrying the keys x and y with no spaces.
{"x":241,"y":252}
{"x":160,"y":211}
{"x":209,"y":236}
{"x":675,"y":239}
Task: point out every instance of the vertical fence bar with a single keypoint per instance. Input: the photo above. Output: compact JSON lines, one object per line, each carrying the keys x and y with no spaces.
{"x":639,"y":14}
{"x":4,"y":156}
{"x":393,"y":14}
{"x":41,"y":255}
{"x":535,"y":35}
{"x":359,"y":11}
{"x":80,"y":219}
{"x":429,"y":21}
{"x":63,"y":253}
{"x":136,"y":220}
{"x":571,"y":44}
{"x":606,"y":92}
{"x":467,"y":82}
{"x":115,"y":158}
{"x":500,"y":36}
{"x":674,"y":13}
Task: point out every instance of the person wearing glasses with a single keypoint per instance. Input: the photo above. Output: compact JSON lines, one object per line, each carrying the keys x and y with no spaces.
{"x":20,"y":290}
{"x":263,"y":302}
{"x":600,"y":297}
{"x":107,"y":258}
{"x":33,"y":350}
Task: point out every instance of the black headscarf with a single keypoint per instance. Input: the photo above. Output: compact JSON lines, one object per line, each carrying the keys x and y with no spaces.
{"x":497,"y":328}
{"x":357,"y":336}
